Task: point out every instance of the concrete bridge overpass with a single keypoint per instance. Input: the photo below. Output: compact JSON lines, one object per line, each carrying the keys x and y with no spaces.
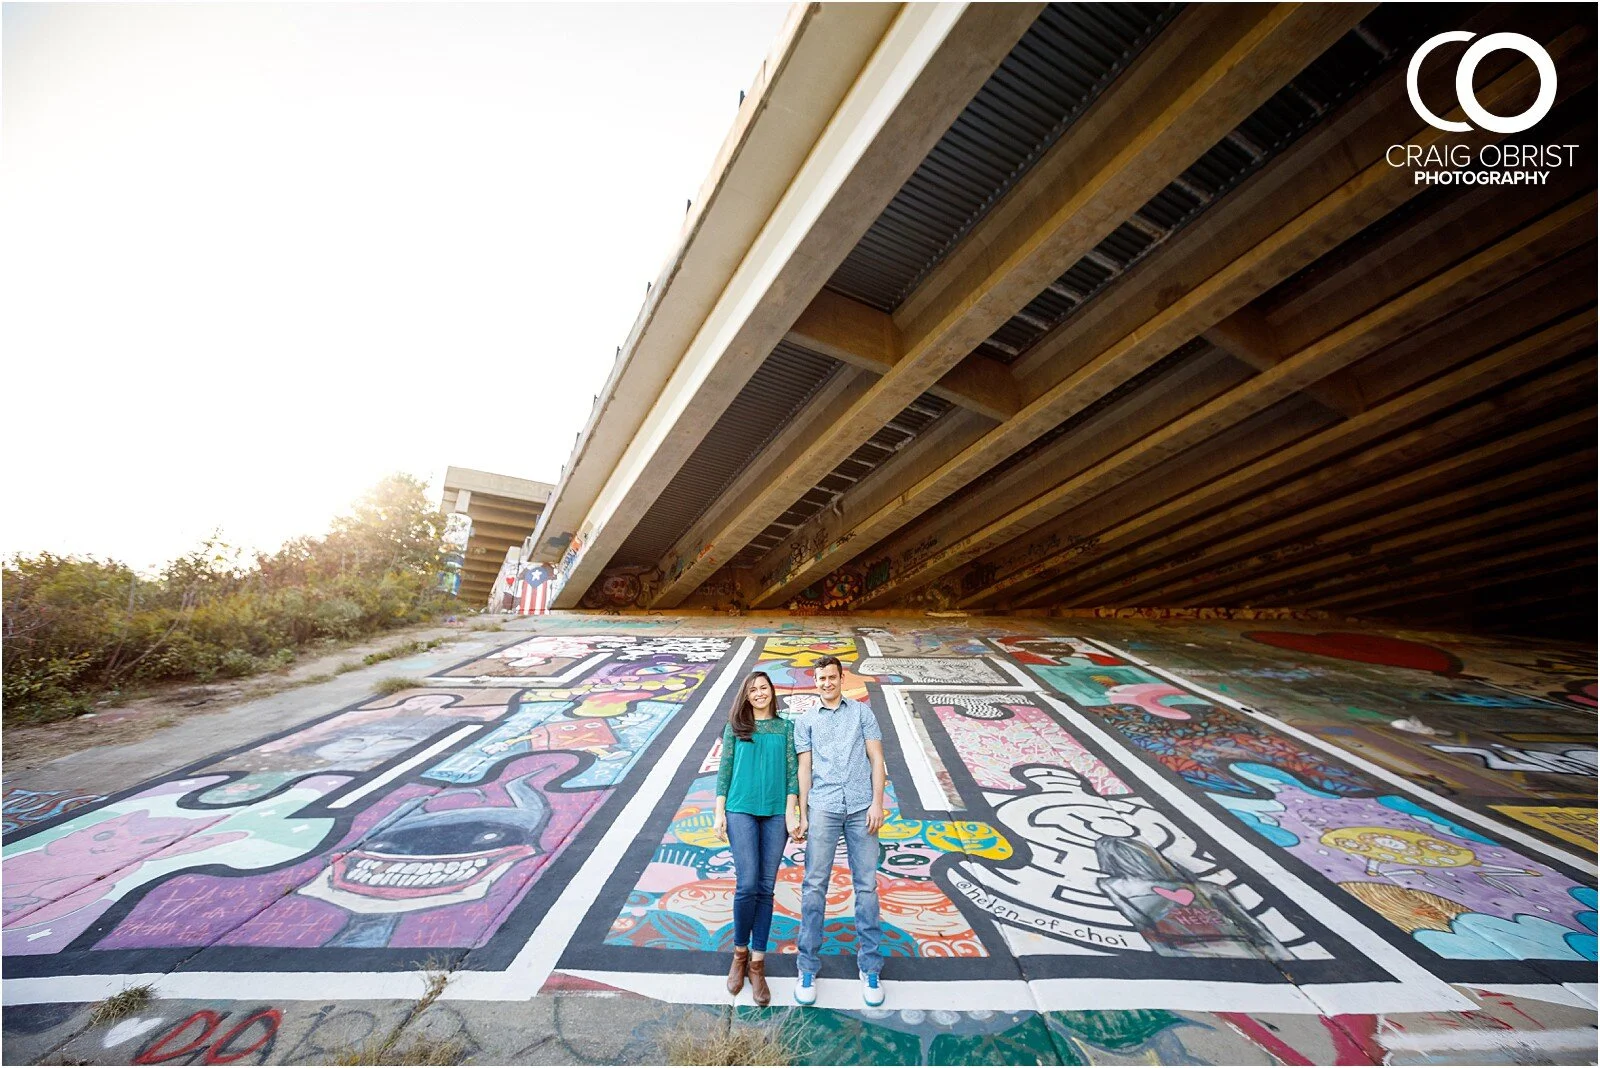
{"x":1062,"y":306}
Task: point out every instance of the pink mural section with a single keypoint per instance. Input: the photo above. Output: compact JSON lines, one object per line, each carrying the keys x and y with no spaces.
{"x":419,"y":820}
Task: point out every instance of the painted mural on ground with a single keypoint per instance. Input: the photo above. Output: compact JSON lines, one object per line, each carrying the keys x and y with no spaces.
{"x":21,"y":808}
{"x":684,"y":898}
{"x":417,"y":821}
{"x":1057,"y":813}
{"x":1456,"y":891}
{"x":1043,"y":852}
{"x":1468,"y":719}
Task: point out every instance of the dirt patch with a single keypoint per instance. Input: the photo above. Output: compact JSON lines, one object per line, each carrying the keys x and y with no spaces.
{"x":140,"y":715}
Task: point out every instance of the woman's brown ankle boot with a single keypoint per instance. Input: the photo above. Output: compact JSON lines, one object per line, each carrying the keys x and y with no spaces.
{"x":741,"y":961}
{"x":758,"y":982}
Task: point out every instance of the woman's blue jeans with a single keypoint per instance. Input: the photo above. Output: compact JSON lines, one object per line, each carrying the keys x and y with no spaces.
{"x":757,"y":843}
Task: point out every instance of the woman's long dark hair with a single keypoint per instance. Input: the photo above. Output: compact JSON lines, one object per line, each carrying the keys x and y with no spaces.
{"x":743,"y":715}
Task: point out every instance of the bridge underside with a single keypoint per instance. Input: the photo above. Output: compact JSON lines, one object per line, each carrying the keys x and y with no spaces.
{"x":1152,"y":322}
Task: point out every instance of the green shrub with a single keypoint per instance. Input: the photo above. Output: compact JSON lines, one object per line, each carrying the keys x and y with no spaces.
{"x":77,"y":627}
{"x":395,"y":683}
{"x":339,"y":617}
{"x":403,"y":649}
{"x":236,"y":664}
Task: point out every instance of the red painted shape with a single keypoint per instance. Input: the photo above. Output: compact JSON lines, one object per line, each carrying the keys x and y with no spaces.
{"x":219,"y":1054}
{"x":562,"y":981}
{"x":1363,"y":648}
{"x":1355,"y":1038}
{"x":158,"y":1053}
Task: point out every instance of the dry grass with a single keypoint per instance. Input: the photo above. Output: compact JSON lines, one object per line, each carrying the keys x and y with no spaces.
{"x":436,"y":973}
{"x":395,"y":683}
{"x":700,"y":1041}
{"x":122,"y":1004}
{"x":420,"y":1050}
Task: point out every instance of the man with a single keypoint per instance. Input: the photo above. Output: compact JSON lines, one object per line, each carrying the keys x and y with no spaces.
{"x":841,"y":793}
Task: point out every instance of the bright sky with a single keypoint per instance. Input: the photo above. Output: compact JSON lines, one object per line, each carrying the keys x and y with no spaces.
{"x":255,"y":256}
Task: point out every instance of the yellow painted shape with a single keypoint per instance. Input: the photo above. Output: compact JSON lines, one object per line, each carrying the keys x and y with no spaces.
{"x":1399,"y":847}
{"x":1576,"y":825}
{"x":973,"y":839}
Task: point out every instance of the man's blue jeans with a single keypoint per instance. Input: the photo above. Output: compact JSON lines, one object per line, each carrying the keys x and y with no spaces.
{"x":822,"y":842}
{"x":757,"y":843}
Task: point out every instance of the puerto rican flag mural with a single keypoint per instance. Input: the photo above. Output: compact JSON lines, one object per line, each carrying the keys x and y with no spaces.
{"x":533,"y":589}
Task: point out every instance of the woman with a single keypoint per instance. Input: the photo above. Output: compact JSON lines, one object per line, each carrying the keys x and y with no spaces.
{"x":758,"y":808}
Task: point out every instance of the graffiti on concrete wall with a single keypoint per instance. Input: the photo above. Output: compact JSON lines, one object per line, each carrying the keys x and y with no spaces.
{"x":623,"y":587}
{"x":453,"y":549}
{"x":1466,"y":719}
{"x":1578,"y":826}
{"x":1097,"y":865}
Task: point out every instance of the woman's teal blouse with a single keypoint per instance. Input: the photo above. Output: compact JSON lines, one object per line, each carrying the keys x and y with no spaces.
{"x":757,"y":776}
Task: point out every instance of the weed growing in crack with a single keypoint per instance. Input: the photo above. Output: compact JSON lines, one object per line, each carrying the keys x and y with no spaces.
{"x":122,"y":1004}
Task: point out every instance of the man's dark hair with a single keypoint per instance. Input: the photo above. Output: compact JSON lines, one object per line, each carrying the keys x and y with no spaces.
{"x":828,"y":661}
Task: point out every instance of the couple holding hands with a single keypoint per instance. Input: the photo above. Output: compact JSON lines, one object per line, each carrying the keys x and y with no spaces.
{"x":816,"y":779}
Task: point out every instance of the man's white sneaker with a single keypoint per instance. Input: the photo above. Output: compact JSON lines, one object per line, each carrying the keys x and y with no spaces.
{"x":871,"y":989}
{"x":805,"y":989}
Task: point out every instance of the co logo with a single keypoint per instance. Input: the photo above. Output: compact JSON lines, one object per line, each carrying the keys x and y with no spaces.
{"x":1469,"y":66}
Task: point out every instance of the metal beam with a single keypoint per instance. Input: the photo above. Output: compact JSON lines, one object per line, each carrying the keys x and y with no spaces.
{"x":1127,"y":547}
{"x":1355,"y":546}
{"x":1550,"y":236}
{"x":1403,"y":589}
{"x":1059,"y":379}
{"x":1200,"y":78}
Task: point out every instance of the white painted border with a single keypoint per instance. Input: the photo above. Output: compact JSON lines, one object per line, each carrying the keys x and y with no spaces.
{"x":930,"y":795}
{"x":1464,"y":1040}
{"x":1049,"y":995}
{"x":468,"y":682}
{"x":1365,"y":765}
{"x":400,"y":769}
{"x":995,"y":995}
{"x":1027,"y":682}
